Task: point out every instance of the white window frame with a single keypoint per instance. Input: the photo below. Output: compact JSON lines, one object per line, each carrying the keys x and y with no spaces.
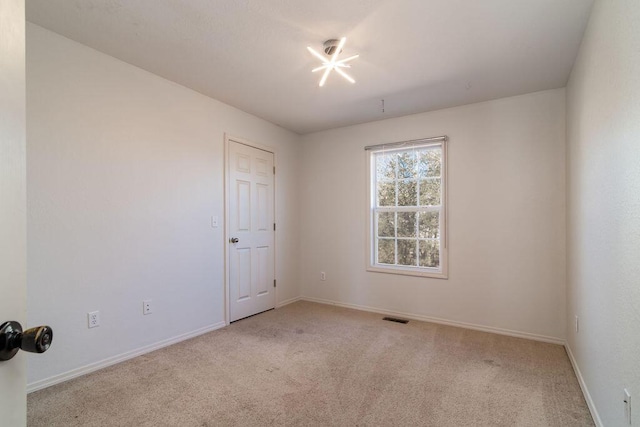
{"x":442,"y":271}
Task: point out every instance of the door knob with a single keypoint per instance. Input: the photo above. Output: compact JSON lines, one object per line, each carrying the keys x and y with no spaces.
{"x":34,"y":340}
{"x":233,"y":240}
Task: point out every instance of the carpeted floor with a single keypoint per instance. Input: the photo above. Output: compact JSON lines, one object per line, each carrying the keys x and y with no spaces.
{"x":312,"y":364}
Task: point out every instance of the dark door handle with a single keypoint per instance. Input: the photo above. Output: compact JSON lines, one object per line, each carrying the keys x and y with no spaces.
{"x":34,"y":340}
{"x":233,"y":240}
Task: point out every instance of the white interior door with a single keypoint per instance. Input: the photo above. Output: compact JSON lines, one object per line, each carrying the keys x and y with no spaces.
{"x":13,"y":285}
{"x":251,"y":230}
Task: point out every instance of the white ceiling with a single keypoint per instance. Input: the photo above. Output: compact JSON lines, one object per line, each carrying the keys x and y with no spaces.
{"x":418,"y":55}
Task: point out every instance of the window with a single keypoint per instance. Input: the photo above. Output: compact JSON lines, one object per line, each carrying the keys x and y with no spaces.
{"x":407,"y":208}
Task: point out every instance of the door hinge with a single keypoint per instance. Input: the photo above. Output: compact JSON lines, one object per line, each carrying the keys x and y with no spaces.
{"x":274,"y":170}
{"x":274,"y":226}
{"x":274,"y":283}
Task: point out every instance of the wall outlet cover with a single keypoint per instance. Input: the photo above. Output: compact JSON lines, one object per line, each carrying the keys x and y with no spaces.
{"x":93,"y":319}
{"x":146,"y":307}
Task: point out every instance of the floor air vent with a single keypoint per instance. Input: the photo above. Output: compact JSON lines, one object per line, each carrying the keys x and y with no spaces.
{"x":395,"y":319}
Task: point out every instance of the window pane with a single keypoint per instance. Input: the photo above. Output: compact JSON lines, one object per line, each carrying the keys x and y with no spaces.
{"x":429,"y":253}
{"x":429,"y":162}
{"x":386,"y":194}
{"x":407,"y":193}
{"x":386,"y":166}
{"x":407,"y":164}
{"x":430,"y":192}
{"x":406,"y":224}
{"x":408,"y":186}
{"x":386,"y":251}
{"x":429,"y":225}
{"x":386,"y":224}
{"x":407,"y":252}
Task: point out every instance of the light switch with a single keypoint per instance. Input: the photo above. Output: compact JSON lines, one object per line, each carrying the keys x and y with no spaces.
{"x":214,"y":222}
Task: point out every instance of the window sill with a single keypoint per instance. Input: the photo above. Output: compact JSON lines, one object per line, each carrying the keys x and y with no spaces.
{"x":408,"y":272}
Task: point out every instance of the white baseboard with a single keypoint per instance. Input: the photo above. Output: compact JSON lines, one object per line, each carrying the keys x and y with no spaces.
{"x":83,"y":370}
{"x":583,"y":386}
{"x":287,"y":302}
{"x":518,"y":334}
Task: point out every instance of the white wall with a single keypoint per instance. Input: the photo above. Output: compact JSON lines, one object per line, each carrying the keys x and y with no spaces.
{"x":13,"y":237}
{"x":603,"y":124}
{"x":125,"y":170}
{"x":506,"y":216}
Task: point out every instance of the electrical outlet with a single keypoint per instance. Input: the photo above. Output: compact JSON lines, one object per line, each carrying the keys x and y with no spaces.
{"x":577,"y":324}
{"x":627,"y":406}
{"x":323,"y":276}
{"x":146,"y":307}
{"x":94,"y":319}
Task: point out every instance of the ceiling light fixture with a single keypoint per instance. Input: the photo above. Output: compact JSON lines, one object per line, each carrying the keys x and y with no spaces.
{"x":332,"y":48}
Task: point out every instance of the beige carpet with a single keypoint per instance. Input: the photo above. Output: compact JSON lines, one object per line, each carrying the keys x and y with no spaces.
{"x":312,"y":364}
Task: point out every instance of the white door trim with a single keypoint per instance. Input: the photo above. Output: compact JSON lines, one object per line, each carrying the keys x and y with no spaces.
{"x":269,"y":149}
{"x":13,"y":205}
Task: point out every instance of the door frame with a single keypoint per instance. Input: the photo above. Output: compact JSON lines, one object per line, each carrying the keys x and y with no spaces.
{"x":13,"y":201}
{"x":227,"y":139}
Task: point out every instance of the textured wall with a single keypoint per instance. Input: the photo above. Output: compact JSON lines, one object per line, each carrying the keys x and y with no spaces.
{"x":125,"y":170}
{"x":603,"y":174}
{"x":506,"y":216}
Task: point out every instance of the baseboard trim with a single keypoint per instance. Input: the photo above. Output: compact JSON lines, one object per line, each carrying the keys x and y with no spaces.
{"x":475,"y":327}
{"x":287,"y":302}
{"x":92,"y":367}
{"x":583,"y":387}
